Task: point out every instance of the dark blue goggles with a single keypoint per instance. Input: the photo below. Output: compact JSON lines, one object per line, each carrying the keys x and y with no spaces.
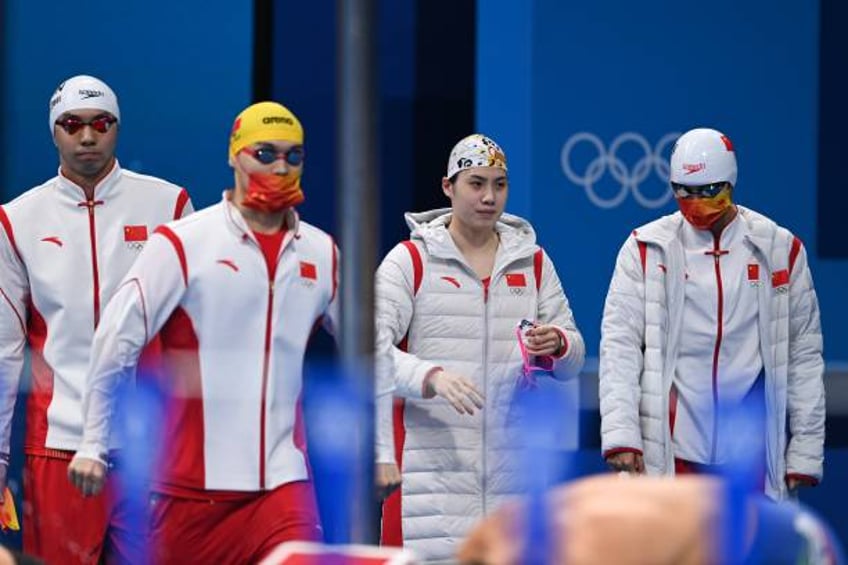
{"x":699,"y":191}
{"x":267,"y":155}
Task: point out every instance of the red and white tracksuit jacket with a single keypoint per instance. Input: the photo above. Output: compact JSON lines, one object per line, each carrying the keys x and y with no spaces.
{"x":233,"y":343}
{"x":61,"y":259}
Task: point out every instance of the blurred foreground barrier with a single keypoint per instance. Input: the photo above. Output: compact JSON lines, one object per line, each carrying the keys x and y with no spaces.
{"x":303,"y":553}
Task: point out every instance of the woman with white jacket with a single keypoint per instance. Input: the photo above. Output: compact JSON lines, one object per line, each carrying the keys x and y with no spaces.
{"x":449,"y":301}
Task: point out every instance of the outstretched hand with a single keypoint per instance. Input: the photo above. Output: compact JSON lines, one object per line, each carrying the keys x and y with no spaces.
{"x":457,"y":390}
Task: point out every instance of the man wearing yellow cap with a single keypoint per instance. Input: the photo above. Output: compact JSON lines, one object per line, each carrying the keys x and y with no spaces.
{"x":235,"y":292}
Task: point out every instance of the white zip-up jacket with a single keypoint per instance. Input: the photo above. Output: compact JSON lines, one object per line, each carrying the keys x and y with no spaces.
{"x":61,"y":259}
{"x":233,"y":342}
{"x":640,"y":339}
{"x":457,"y":468}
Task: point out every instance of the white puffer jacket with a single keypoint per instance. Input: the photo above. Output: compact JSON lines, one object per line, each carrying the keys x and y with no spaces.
{"x":640,"y":338}
{"x":456,"y":468}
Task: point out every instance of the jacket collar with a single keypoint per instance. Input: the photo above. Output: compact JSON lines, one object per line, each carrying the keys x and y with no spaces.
{"x":518,"y":239}
{"x":104,"y":189}
{"x":663,"y":231}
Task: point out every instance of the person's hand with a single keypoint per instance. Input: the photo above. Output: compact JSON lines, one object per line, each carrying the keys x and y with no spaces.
{"x":386,"y":479}
{"x":459,"y":391}
{"x":87,"y":475}
{"x":792,"y":483}
{"x":543,"y":340}
{"x":627,"y":461}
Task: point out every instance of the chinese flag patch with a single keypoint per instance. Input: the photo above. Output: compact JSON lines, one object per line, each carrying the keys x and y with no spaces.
{"x":135,"y":233}
{"x":780,"y":278}
{"x":515,"y":279}
{"x":308,"y":271}
{"x":753,"y":272}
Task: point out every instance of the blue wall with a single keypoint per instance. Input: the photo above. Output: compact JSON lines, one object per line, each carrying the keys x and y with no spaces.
{"x":548,"y":70}
{"x":181,"y":70}
{"x":307,"y":85}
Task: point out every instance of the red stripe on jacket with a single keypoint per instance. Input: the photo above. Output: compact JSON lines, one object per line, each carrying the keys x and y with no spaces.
{"x":10,"y":234}
{"x":392,"y":531}
{"x":178,"y":248}
{"x":41,"y":394}
{"x":182,"y":456}
{"x":182,"y":200}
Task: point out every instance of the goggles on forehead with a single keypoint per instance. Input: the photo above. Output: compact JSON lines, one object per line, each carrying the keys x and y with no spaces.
{"x":267,"y":154}
{"x":101,"y":123}
{"x":699,"y":191}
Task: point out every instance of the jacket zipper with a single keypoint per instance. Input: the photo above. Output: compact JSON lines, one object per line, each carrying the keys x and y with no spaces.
{"x":717,"y":253}
{"x":95,"y":271}
{"x":265,"y":367}
{"x":485,"y":382}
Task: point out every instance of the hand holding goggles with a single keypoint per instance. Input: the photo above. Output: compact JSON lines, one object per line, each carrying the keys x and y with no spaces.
{"x":101,"y":123}
{"x":267,"y":154}
{"x":528,"y":379}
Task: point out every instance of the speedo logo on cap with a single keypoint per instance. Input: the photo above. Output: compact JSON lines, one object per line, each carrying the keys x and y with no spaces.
{"x":277,"y":120}
{"x":56,"y":99}
{"x":86,"y":93}
{"x":693,"y":167}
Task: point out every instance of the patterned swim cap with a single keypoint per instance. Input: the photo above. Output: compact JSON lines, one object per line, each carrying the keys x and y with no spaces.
{"x":476,"y":150}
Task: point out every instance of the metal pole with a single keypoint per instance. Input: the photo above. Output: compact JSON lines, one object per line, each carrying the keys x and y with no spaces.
{"x":357,"y":198}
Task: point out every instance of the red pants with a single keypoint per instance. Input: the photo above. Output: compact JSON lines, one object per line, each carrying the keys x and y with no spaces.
{"x":61,"y":526}
{"x":245,"y":530}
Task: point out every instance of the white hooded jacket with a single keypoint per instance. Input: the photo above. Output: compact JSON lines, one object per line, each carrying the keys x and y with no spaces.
{"x":640,"y":339}
{"x":457,"y":468}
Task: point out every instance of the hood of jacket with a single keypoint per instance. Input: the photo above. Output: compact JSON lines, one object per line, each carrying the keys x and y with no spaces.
{"x":518,"y":238}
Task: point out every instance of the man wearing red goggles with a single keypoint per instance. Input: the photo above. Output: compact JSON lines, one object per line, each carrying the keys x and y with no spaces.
{"x":64,"y":247}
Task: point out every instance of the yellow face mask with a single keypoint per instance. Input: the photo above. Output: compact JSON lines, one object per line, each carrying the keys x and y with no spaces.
{"x":272,"y":193}
{"x":703,"y":213}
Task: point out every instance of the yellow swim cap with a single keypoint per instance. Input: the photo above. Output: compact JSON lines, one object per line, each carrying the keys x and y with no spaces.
{"x":264,"y":121}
